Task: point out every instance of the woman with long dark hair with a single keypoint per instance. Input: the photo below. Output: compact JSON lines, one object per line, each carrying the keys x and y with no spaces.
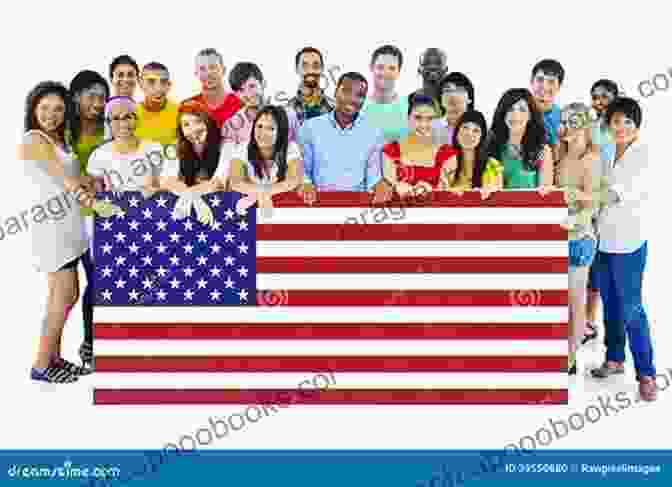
{"x":518,"y":139}
{"x":269,"y":164}
{"x":470,"y":160}
{"x":58,"y":243}
{"x":87,"y":130}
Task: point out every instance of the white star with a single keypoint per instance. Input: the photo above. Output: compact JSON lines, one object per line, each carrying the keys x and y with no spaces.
{"x":215,"y":271}
{"x":228,"y":237}
{"x":174,"y":215}
{"x":133,"y":248}
{"x":215,"y":202}
{"x":147,"y":213}
{"x":107,"y":225}
{"x":228,"y":214}
{"x":188,"y":248}
{"x":174,"y":237}
{"x":228,"y":260}
{"x":107,"y":249}
{"x":120,"y":284}
{"x":134,"y":225}
{"x":107,"y":295}
{"x":214,"y":295}
{"x":107,"y":199}
{"x":188,"y":225}
{"x":241,"y":211}
{"x":161,"y":295}
{"x":161,"y":202}
{"x":202,"y":260}
{"x":243,"y":248}
{"x":161,"y":271}
{"x":174,"y":284}
{"x":243,"y":271}
{"x":202,"y":237}
{"x":202,"y":283}
{"x":215,"y":248}
{"x":120,"y":237}
{"x":133,"y":294}
{"x":133,"y":272}
{"x":216,"y":225}
{"x":188,"y":294}
{"x":188,"y":272}
{"x":121,"y":215}
{"x":229,"y":283}
{"x":242,"y":295}
{"x":161,"y":225}
{"x":133,"y":202}
{"x":120,"y":260}
{"x":242,"y":225}
{"x":175,"y":260}
{"x":161,"y":248}
{"x":147,"y":237}
{"x":147,"y":283}
{"x":107,"y":272}
{"x":147,"y":260}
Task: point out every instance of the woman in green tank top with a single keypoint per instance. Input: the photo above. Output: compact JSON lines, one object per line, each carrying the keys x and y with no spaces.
{"x":90,"y":91}
{"x":518,"y":140}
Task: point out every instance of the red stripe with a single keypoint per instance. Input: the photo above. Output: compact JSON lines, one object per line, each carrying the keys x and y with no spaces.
{"x":329,"y":364}
{"x":448,"y":265}
{"x":329,"y":331}
{"x":404,"y":231}
{"x":432,"y":297}
{"x":286,"y":397}
{"x":470,"y":199}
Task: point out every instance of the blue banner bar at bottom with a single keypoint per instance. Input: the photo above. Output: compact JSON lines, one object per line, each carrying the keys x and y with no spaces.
{"x":342,"y":468}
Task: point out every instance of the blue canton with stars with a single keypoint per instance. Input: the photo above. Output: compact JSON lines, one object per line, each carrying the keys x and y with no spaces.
{"x":148,"y":257}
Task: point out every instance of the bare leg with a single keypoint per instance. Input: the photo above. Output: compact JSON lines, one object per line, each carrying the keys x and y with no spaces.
{"x":592,"y":305}
{"x":578,"y":278}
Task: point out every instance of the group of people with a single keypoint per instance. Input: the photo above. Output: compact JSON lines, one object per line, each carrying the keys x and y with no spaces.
{"x":367,"y":138}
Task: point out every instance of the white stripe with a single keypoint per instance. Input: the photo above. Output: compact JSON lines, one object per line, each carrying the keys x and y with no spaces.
{"x":415,"y":281}
{"x":344,"y":380}
{"x":223,"y":347}
{"x":331,"y":314}
{"x":365,"y":216}
{"x":464,"y":248}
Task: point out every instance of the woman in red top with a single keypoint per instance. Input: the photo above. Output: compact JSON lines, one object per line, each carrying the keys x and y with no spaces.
{"x":417,"y":164}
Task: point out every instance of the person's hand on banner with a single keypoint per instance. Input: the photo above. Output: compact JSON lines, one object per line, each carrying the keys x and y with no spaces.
{"x":203,"y":212}
{"x":183,"y":205}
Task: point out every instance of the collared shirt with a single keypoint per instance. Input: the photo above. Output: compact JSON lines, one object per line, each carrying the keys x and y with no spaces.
{"x":552,"y":120}
{"x":622,"y":226}
{"x":338,"y":159}
{"x":442,"y":133}
{"x":159,"y":126}
{"x":298,"y":112}
{"x":220,"y":113}
{"x":238,"y":129}
{"x":392,"y":118}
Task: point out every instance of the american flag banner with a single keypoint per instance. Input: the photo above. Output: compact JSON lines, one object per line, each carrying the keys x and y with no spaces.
{"x":448,"y":300}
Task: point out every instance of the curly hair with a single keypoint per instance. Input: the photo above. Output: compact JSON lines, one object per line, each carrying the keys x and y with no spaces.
{"x":190,"y":162}
{"x":41,"y":90}
{"x":535,"y":133}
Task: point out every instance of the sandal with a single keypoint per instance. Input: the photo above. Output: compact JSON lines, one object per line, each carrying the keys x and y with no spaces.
{"x":86,"y":356}
{"x":70,"y":367}
{"x":53,"y":375}
{"x":647,"y":389}
{"x":592,"y":335}
{"x":605,"y":371}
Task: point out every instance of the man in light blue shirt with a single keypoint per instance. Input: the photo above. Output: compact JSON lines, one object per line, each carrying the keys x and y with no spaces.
{"x":342,"y":150}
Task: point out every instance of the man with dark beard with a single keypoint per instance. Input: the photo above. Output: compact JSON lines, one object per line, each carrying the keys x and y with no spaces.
{"x":310,"y":100}
{"x":432,"y":69}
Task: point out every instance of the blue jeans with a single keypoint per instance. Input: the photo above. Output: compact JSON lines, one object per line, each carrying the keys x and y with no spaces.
{"x":87,"y":299}
{"x":620,"y":284}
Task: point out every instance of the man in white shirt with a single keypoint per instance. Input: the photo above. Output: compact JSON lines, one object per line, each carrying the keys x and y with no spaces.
{"x":622,"y":250}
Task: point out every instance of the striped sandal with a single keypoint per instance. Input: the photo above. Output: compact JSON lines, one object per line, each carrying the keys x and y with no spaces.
{"x":53,"y":375}
{"x":72,"y":368}
{"x":86,"y":355}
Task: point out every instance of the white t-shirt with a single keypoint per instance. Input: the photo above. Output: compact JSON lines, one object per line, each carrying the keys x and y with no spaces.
{"x":127,"y":171}
{"x":232,"y":151}
{"x":56,"y":224}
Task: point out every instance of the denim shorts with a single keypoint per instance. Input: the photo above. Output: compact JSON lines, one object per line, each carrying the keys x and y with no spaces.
{"x":581,"y":252}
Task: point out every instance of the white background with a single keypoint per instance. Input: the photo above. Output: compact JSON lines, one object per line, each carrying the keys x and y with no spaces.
{"x":496,"y":44}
